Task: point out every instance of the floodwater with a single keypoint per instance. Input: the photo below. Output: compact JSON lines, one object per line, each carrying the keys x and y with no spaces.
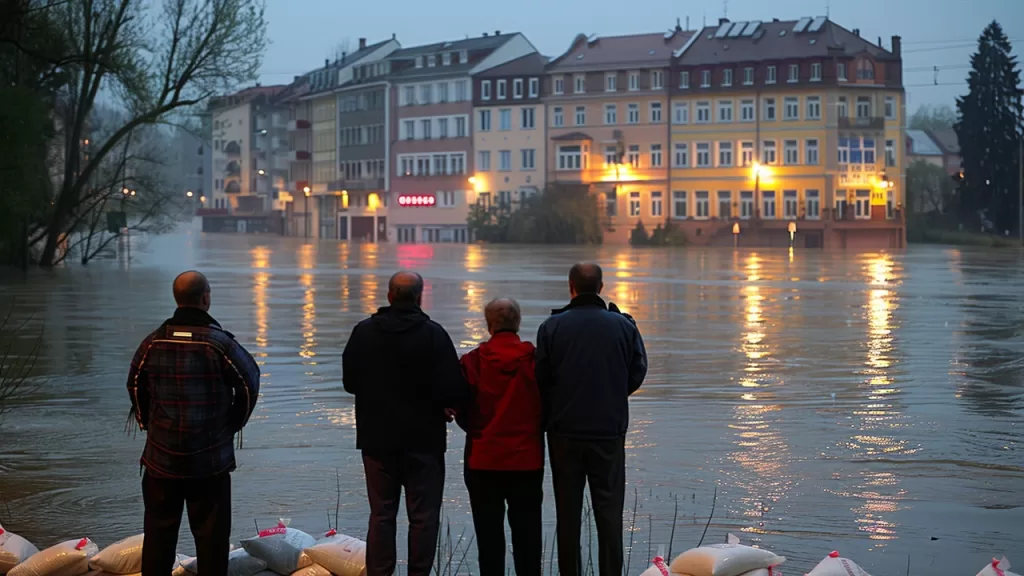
{"x":868,"y":403}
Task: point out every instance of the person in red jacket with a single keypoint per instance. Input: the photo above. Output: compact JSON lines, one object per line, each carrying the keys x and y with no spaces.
{"x":504,"y":444}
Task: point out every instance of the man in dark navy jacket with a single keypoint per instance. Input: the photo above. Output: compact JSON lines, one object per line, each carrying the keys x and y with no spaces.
{"x":404,"y":371}
{"x":590,"y":359}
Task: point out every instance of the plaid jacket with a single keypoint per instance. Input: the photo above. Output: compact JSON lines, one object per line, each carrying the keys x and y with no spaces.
{"x":192,"y":387}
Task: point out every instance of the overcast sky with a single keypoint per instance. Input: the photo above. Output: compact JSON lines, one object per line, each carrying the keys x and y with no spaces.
{"x":939,"y":33}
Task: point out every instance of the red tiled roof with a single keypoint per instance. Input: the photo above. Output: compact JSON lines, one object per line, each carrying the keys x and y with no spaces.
{"x":617,"y":52}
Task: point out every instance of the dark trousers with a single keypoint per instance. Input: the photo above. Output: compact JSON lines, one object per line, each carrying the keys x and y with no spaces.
{"x":209,"y":517}
{"x":523,"y":492}
{"x":422,"y":477}
{"x":576,"y":462}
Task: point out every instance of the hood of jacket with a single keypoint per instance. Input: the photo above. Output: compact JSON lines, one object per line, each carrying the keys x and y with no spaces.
{"x":505,"y":352}
{"x":399,"y":318}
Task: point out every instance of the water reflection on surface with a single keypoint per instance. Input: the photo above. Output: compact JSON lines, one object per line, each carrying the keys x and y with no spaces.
{"x":863,"y":402}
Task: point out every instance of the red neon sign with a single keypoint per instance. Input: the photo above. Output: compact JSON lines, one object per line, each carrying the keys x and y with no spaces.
{"x":416,"y":200}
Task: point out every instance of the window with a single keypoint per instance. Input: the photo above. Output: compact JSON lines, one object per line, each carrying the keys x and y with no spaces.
{"x":684,"y":79}
{"x":460,"y":127}
{"x":656,"y":204}
{"x":746,"y":204}
{"x":505,"y":119}
{"x":504,"y":160}
{"x":679,"y":204}
{"x":634,"y":203}
{"x":611,"y":114}
{"x":633,"y":113}
{"x":570,"y":158}
{"x":705,"y":79}
{"x":558,"y":85}
{"x":794,"y":72}
{"x":431,"y":61}
{"x":791,"y":107}
{"x":863,"y":106}
{"x":426,"y":126}
{"x":406,"y":165}
{"x":746,"y":110}
{"x":746,"y":153}
{"x":504,"y":198}
{"x":426,"y":94}
{"x":484,"y":123}
{"x":655,"y":155}
{"x":580,"y":81}
{"x":485,"y":90}
{"x":703,"y":112}
{"x":634,"y":81}
{"x":842,"y":110}
{"x":768,"y":204}
{"x":502,"y":89}
{"x":633,"y":155}
{"x":770,"y":75}
{"x":442,"y":127}
{"x":581,"y":115}
{"x":816,"y":72}
{"x":843,"y":151}
{"x":841,"y":71}
{"x":440,"y":164}
{"x":409,"y":130}
{"x":890,"y":153}
{"x":814,"y":107}
{"x":461,"y":93}
{"x":862,"y":199}
{"x":557,"y":117}
{"x":703,"y":155}
{"x":528,"y":118}
{"x":409,"y":96}
{"x":768,"y":152}
{"x":534,"y":87}
{"x":657,"y":80}
{"x":769,"y":109}
{"x":727,"y":77}
{"x":865,"y":70}
{"x":725,"y":204}
{"x":442,"y":92}
{"x":725,"y":110}
{"x":890,"y":108}
{"x":517,"y":88}
{"x":725,"y":154}
{"x":611,"y":156}
{"x":655,"y":112}
{"x":811,"y":151}
{"x":529,"y":158}
{"x":682,"y":156}
{"x":789,"y":204}
{"x":610,"y":82}
{"x":681,"y":113}
{"x":791,"y":152}
{"x":483,"y":161}
{"x":447,"y":199}
{"x":748,"y":75}
{"x":812,"y":204}
{"x":702,"y":204}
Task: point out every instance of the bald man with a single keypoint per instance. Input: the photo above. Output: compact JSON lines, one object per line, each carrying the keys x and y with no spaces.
{"x":590,"y":359}
{"x":404,"y":371}
{"x":192,"y":388}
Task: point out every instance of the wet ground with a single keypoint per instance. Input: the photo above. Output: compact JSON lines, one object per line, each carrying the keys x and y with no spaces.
{"x":867,"y":403}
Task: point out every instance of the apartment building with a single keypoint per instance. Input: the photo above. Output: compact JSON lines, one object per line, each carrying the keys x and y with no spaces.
{"x":298,"y":214}
{"x":432,"y":155}
{"x":508,"y":133}
{"x":788,"y":130}
{"x":607,"y":100}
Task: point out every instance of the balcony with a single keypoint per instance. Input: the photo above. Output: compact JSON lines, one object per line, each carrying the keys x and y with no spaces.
{"x":297,"y":125}
{"x":611,"y":175}
{"x":233,"y":187}
{"x":358,"y":184}
{"x":232,"y":168}
{"x":862,"y":123}
{"x":233,"y":149}
{"x":298,"y":156}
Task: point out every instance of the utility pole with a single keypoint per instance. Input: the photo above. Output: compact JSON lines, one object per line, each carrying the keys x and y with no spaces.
{"x":1020,"y":190}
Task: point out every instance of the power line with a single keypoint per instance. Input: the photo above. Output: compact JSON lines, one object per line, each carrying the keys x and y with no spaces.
{"x":934,"y":84}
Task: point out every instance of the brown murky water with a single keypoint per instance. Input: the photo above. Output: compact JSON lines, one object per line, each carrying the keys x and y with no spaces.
{"x":868,"y":403}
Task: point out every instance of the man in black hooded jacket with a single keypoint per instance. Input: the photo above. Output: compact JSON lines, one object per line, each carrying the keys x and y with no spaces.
{"x":404,"y":372}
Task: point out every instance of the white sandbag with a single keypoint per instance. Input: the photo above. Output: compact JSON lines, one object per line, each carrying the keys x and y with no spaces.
{"x":312,"y":570}
{"x":999,"y":567}
{"x":102,"y":573}
{"x":179,"y":564}
{"x":70,"y":558}
{"x":281,"y":548}
{"x":13,"y":550}
{"x":657,"y":568}
{"x":124,"y":557}
{"x":341,"y":555}
{"x":240,"y":563}
{"x":723,"y":560}
{"x":835,"y":565}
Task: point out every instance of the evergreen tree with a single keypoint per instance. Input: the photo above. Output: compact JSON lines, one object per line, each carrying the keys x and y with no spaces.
{"x":989,"y":128}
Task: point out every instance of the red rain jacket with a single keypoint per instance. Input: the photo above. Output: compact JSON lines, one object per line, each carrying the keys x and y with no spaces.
{"x":503,"y":421}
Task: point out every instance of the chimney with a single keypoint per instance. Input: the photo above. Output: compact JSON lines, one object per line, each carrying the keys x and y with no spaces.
{"x":327,"y":62}
{"x":856,"y":32}
{"x":362,"y":43}
{"x":485,"y":34}
{"x":393,"y":35}
{"x":897,"y":46}
{"x":497,"y":32}
{"x":723,"y":21}
{"x":679,"y":27}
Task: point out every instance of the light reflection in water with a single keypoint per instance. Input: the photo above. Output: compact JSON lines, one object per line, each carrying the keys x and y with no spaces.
{"x":475,"y":323}
{"x":368,"y":286}
{"x":474,"y":258}
{"x":624,"y":293}
{"x":261,"y":279}
{"x":307,"y":261}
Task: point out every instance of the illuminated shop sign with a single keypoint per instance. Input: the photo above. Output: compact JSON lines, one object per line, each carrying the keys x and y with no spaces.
{"x":416,"y":200}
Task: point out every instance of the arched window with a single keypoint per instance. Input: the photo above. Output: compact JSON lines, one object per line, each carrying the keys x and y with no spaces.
{"x":865,"y":69}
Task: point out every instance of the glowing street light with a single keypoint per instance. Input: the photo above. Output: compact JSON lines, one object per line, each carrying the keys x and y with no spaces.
{"x":202,"y":199}
{"x":189,"y":193}
{"x":261,"y":172}
{"x":125,"y":191}
{"x":792,"y":233}
{"x":133,"y":192}
{"x":735,"y":234}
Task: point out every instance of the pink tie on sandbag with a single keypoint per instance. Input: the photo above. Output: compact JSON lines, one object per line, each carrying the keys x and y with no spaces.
{"x":13,"y":550}
{"x":998,"y":567}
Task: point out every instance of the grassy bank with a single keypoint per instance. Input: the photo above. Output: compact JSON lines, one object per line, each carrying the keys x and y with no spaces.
{"x":936,"y":236}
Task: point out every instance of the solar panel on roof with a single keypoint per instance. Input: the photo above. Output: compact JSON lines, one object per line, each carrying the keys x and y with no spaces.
{"x":722,"y":30}
{"x":801,"y":25}
{"x":737,"y":29}
{"x":750,"y":28}
{"x":817,"y":24}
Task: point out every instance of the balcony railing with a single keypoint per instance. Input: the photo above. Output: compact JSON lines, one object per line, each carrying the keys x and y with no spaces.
{"x":296,"y":125}
{"x":620,"y":174}
{"x":233,"y":149}
{"x":232,"y":169}
{"x":862,"y":123}
{"x":233,"y":187}
{"x":358,"y":184}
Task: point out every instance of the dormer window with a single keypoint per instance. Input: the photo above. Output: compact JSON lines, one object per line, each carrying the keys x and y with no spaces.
{"x":865,"y":70}
{"x":419,"y":61}
{"x":431,"y":61}
{"x":463,"y":56}
{"x":446,"y":59}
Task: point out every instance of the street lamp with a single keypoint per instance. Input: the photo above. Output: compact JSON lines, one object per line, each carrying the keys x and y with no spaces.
{"x":305,"y":210}
{"x":792,"y":233}
{"x":202,"y":199}
{"x":758,"y":170}
{"x":261,"y":172}
{"x":188,"y":194}
{"x":735,"y":234}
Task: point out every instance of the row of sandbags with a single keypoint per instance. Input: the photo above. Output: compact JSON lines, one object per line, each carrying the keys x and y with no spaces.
{"x":279,"y":550}
{"x":735,"y":559}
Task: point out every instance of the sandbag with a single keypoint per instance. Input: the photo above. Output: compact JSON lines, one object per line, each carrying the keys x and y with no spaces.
{"x":312,"y":570}
{"x":999,"y":567}
{"x":240,"y":563}
{"x":341,"y":555}
{"x":70,"y":558}
{"x":281,"y":548}
{"x":102,"y":573}
{"x":723,"y":560}
{"x":657,"y":568}
{"x":13,"y":550}
{"x":124,"y":557}
{"x":834,"y":565}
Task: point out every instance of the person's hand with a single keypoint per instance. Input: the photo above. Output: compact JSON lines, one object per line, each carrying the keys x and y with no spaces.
{"x":449,"y":414}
